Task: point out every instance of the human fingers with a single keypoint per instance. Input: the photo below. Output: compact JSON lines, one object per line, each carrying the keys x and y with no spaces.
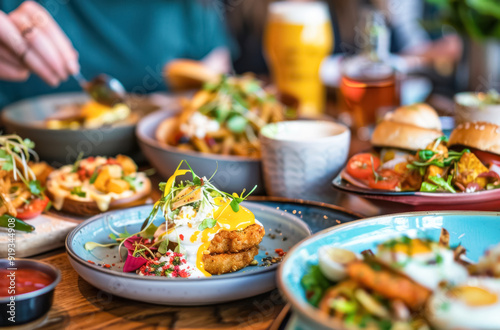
{"x":39,"y":16}
{"x":38,"y":42}
{"x":11,"y":38}
{"x":8,"y":71}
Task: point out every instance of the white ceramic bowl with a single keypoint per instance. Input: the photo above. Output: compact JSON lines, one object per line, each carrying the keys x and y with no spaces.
{"x":468,"y":108}
{"x":301,"y":157}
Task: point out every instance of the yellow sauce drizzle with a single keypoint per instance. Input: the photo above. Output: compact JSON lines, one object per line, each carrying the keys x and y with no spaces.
{"x":416,"y":246}
{"x":194,"y":237}
{"x":227,"y":219}
{"x":199,"y":259}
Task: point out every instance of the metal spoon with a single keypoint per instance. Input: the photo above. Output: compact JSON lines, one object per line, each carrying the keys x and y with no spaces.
{"x":103,"y":88}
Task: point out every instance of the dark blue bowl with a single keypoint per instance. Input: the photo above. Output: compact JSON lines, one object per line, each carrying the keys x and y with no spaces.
{"x":29,"y":306}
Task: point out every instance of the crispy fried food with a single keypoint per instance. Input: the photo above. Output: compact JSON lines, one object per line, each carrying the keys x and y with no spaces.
{"x":41,"y":171}
{"x":388,"y":284}
{"x":236,"y":241}
{"x":217,"y":264}
{"x":468,"y":168}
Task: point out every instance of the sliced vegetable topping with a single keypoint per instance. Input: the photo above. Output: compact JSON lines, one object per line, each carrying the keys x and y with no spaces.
{"x":360,"y":166}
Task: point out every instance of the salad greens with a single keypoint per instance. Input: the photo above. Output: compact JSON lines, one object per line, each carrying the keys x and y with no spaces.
{"x":315,"y":284}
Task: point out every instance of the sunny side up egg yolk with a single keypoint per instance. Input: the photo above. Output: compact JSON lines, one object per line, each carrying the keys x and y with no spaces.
{"x":474,"y":296}
{"x":228,"y":220}
{"x":414,"y":247}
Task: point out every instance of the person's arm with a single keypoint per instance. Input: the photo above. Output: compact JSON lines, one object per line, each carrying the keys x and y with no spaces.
{"x":31,"y":41}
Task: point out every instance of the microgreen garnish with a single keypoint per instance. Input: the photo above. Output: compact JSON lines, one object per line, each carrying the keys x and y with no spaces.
{"x":163,"y":246}
{"x":378,"y":177}
{"x":123,"y":235}
{"x":15,"y":151}
{"x":133,"y":182}
{"x":235,"y":203}
{"x":76,"y":164}
{"x":36,"y":187}
{"x":93,"y":177}
{"x":207,"y":223}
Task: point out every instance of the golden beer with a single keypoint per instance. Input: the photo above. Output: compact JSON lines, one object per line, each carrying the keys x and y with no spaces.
{"x":298,"y":37}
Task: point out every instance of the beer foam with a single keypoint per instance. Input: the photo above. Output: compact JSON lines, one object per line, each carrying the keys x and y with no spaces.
{"x":299,"y":12}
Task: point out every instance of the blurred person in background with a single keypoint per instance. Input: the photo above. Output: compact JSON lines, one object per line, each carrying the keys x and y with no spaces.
{"x":43,"y":43}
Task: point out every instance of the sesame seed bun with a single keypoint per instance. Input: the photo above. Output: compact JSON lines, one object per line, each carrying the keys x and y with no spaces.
{"x":480,"y":135}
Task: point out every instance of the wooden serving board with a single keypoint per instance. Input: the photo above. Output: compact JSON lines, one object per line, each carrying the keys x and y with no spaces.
{"x":50,"y":233}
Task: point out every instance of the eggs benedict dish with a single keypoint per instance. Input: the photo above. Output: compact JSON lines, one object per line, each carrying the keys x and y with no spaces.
{"x":207,"y":225}
{"x":203,"y":232}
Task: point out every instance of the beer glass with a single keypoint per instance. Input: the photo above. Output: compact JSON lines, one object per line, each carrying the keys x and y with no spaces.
{"x":298,"y":36}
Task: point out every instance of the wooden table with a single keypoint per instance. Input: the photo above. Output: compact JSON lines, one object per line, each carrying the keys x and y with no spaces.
{"x":79,"y":305}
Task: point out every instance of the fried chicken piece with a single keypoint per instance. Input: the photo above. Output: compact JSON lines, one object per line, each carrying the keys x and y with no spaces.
{"x":235,"y":241}
{"x":388,"y":284}
{"x":217,"y":264}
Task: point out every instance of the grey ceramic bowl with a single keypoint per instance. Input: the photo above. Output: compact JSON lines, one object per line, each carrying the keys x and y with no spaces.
{"x":234,"y":173}
{"x":59,"y":147}
{"x":32,"y":305}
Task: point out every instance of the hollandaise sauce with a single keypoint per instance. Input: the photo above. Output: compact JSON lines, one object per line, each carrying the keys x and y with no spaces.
{"x":195,"y":243}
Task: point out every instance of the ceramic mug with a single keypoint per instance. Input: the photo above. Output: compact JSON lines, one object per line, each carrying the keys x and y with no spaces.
{"x":301,"y":158}
{"x":469,"y":108}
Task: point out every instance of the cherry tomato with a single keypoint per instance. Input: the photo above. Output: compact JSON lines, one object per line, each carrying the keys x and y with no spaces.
{"x":360,"y":166}
{"x":32,"y":209}
{"x":112,"y":161}
{"x":387,"y":180}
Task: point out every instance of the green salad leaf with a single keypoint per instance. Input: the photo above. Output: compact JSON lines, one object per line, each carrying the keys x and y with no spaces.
{"x":315,"y":284}
{"x":442,"y":183}
{"x":428,"y":187}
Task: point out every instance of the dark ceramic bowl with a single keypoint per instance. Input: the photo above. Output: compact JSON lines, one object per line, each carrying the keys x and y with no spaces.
{"x":58,"y":147}
{"x":234,"y":173}
{"x":32,"y":305}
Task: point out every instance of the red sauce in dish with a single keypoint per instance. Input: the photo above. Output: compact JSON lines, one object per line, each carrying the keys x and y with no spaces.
{"x":26,"y":280}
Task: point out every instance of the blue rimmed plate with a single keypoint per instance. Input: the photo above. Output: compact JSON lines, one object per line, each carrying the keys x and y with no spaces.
{"x":476,"y":231}
{"x":247,"y":282}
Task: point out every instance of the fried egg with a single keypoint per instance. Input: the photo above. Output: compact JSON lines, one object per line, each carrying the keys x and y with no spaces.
{"x":425,"y":262}
{"x":472,"y":305}
{"x":333,"y":261}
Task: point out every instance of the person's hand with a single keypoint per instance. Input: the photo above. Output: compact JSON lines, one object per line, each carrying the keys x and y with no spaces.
{"x":31,"y":41}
